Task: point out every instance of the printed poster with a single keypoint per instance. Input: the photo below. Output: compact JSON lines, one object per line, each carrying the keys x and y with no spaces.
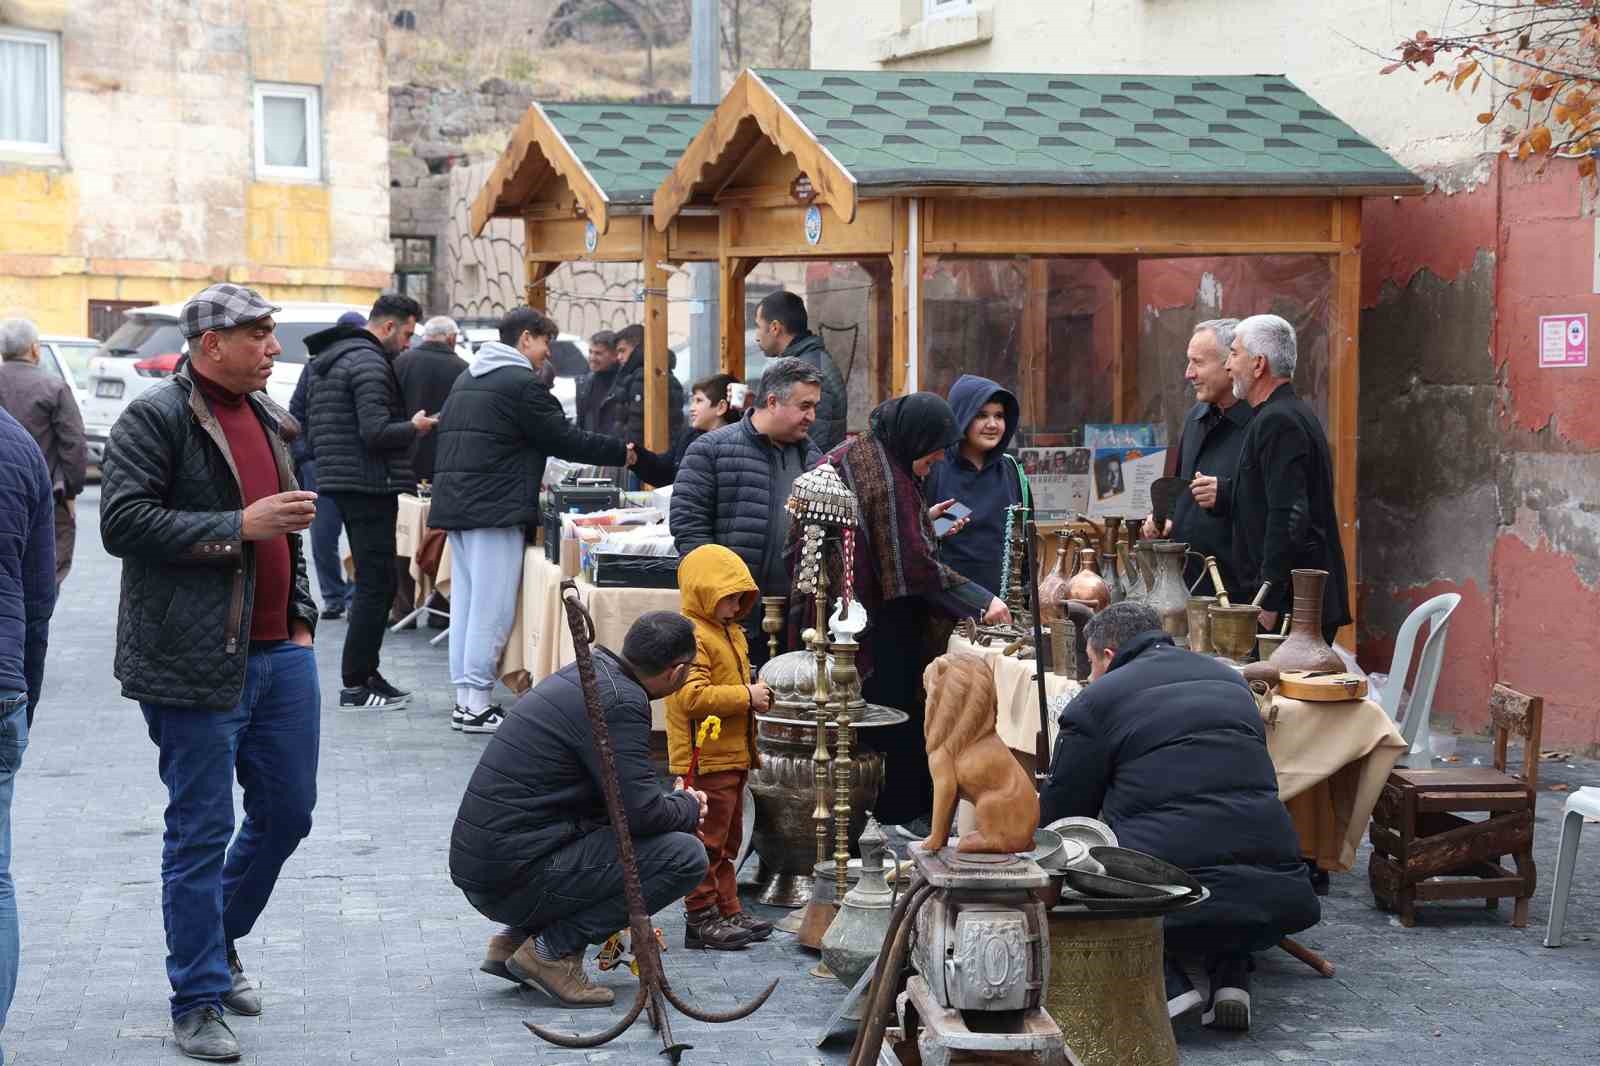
{"x":1121,"y":479}
{"x":1060,"y":481}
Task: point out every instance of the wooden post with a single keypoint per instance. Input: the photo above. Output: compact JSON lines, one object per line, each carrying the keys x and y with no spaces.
{"x":538,"y":290}
{"x":900,"y":269}
{"x":1125,"y":338}
{"x":656,"y":416}
{"x":1344,"y":386}
{"x":732,"y":272}
{"x":1035,"y":338}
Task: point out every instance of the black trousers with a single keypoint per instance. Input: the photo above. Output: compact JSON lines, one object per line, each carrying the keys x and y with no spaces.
{"x":369,"y":523}
{"x":574,"y":895}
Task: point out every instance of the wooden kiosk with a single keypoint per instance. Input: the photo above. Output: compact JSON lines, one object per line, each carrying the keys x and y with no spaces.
{"x":581,"y":177}
{"x":893,"y":168}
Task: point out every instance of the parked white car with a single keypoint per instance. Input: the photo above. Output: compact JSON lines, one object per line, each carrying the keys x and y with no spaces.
{"x":567,"y":352}
{"x":149,"y":345}
{"x":68,"y":358}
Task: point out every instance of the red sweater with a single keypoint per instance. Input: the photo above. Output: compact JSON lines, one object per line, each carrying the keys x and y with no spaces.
{"x":258,"y":473}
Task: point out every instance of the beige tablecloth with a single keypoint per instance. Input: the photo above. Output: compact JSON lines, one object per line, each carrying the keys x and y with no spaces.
{"x":1017,"y":720}
{"x":1332,"y":760}
{"x":410,"y":523}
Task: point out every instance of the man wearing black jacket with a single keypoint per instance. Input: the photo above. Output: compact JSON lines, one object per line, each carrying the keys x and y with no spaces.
{"x":498,"y":426}
{"x":362,"y":440}
{"x":1168,"y":748}
{"x":425,"y":373}
{"x":533,"y":846}
{"x":1208,"y":452}
{"x":1282,"y":506}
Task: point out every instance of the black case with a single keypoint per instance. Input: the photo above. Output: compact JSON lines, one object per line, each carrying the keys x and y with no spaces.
{"x":567,"y":498}
{"x":635,"y":571}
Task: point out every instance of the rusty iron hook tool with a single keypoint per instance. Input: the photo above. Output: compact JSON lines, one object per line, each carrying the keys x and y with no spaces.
{"x":655,"y":991}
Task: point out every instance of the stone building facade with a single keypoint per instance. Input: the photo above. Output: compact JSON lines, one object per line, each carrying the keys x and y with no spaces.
{"x":1479,"y":470}
{"x":165,"y":147}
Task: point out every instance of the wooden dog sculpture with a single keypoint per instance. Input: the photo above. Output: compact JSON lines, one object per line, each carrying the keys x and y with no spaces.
{"x":969,"y":760}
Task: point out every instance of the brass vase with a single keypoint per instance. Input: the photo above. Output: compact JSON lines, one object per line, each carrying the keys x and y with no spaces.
{"x":1305,"y":649}
{"x":1169,"y":597}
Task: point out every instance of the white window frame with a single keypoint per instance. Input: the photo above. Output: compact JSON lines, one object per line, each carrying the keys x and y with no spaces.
{"x":312,"y":95}
{"x":938,"y":9}
{"x":52,"y":43}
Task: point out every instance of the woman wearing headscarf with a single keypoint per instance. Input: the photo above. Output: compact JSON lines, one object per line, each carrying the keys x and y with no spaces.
{"x":912,"y":599}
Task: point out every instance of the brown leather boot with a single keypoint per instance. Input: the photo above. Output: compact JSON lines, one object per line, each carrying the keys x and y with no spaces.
{"x":562,"y":980}
{"x":501,"y":947}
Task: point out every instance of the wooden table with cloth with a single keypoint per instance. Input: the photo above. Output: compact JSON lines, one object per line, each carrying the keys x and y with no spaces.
{"x":1017,"y":720}
{"x":1332,"y":761}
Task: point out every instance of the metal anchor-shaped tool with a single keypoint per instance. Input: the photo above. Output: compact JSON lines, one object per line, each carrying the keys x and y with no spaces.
{"x":655,"y":991}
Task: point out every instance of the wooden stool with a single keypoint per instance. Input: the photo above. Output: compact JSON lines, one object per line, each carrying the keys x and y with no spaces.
{"x":1423,"y":849}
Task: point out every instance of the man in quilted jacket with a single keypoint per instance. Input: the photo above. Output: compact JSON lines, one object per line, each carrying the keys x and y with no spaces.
{"x":214,"y":635}
{"x":363,"y":439}
{"x":734,"y":482}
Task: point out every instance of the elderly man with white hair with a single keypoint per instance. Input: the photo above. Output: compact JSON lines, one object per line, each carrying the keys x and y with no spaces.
{"x":45,"y":406}
{"x":1282,"y":505}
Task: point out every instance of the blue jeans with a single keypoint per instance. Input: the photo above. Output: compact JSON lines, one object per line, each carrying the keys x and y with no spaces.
{"x":13,"y":742}
{"x":335,"y":590}
{"x":211,"y":893}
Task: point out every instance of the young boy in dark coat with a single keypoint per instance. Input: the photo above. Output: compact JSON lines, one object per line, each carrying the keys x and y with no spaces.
{"x":1168,"y":747}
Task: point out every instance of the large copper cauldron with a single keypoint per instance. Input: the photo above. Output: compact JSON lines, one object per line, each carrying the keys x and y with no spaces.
{"x":785,"y":836}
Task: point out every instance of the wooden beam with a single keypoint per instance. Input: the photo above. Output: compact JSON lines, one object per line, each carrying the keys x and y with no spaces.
{"x":1344,"y":388}
{"x":780,"y":232}
{"x":656,"y":392}
{"x":1035,"y":341}
{"x":1175,"y":226}
{"x":1125,"y":339}
{"x":726,"y":136}
{"x":694,"y":239}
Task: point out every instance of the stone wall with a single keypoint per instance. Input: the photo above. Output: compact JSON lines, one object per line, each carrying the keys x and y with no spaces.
{"x":433,"y":132}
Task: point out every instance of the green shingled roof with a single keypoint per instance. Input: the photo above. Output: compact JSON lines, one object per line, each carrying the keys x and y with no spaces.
{"x":628,"y":148}
{"x":891,"y":128}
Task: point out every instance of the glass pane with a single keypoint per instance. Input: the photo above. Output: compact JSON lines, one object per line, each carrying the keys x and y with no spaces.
{"x":419,"y":251}
{"x":24,"y":92}
{"x":284,"y":130}
{"x":416,"y":287}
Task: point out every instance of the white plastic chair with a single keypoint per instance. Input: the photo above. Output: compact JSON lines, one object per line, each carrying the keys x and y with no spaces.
{"x":1585,"y":801}
{"x":1414,"y":729}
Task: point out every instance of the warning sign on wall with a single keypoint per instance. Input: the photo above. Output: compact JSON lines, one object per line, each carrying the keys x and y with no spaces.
{"x":1564,"y":340}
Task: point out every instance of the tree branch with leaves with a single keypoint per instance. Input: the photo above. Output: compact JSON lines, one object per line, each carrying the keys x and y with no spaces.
{"x":1541,"y":60}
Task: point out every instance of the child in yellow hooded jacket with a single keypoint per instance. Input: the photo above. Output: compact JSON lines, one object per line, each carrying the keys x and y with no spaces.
{"x":717,"y":591}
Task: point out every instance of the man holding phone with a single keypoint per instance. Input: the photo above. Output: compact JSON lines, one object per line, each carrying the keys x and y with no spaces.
{"x":363,"y":440}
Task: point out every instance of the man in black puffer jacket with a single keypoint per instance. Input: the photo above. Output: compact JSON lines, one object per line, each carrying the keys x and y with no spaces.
{"x":623,"y":406}
{"x":533,"y":846}
{"x":733,"y":483}
{"x":362,"y":441}
{"x":1170,"y":746}
{"x":499,"y":425}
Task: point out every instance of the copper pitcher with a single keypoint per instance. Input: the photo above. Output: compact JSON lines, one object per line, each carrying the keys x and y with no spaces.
{"x":1305,"y":649}
{"x":1053,"y":581}
{"x":1087,"y":585}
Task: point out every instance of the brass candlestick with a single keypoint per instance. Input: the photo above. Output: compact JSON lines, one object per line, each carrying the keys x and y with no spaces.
{"x":817,"y":641}
{"x":845,"y":682}
{"x":772,"y":621}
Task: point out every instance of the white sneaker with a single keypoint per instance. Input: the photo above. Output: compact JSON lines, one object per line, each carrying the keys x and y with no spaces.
{"x":487,"y":722}
{"x":458,"y":717}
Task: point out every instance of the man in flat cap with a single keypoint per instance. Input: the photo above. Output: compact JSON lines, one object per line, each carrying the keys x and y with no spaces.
{"x":214,"y":640}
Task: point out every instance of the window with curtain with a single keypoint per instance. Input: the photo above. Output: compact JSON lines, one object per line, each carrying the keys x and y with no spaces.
{"x":30,"y":91}
{"x":288,"y":132}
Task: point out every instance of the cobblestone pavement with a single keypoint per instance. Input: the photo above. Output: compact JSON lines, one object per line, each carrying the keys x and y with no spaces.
{"x":367,"y":953}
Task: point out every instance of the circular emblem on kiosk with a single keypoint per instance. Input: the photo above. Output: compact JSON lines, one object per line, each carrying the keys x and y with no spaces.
{"x":591,"y":238}
{"x":813,"y":224}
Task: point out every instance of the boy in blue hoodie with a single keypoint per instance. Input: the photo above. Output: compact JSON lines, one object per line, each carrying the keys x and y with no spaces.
{"x":979,"y":474}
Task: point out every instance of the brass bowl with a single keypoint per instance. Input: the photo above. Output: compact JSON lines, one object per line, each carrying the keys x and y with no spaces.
{"x":1233,"y":630}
